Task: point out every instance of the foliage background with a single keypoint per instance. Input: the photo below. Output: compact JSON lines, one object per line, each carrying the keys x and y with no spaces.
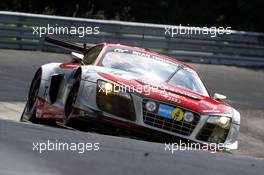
{"x":239,"y":14}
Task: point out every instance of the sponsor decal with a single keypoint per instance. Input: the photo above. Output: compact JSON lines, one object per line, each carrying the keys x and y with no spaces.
{"x":170,"y":112}
{"x":211,"y":111}
{"x":165,"y":111}
{"x":143,"y":54}
{"x":177,"y":114}
{"x":172,"y":97}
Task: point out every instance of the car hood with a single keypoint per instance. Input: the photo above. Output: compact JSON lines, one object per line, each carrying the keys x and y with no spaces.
{"x":164,"y":92}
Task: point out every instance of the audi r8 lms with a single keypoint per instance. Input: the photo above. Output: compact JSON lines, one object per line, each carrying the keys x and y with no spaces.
{"x":134,"y":88}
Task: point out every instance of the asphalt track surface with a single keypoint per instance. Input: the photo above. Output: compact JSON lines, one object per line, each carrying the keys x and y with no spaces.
{"x":115,"y":155}
{"x":120,"y":155}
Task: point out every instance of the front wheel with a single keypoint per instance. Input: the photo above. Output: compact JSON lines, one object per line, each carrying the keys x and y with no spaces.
{"x":69,"y":105}
{"x":30,"y":107}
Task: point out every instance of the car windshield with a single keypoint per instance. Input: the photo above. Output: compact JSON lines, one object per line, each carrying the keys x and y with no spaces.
{"x":153,"y":67}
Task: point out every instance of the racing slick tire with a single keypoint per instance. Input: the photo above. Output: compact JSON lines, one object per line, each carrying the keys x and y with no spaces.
{"x":68,"y":120}
{"x":30,"y":106}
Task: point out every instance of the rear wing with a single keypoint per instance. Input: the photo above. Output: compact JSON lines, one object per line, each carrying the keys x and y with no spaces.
{"x":66,"y":45}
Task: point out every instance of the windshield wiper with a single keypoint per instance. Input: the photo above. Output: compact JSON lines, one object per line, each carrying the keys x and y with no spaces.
{"x":172,"y":75}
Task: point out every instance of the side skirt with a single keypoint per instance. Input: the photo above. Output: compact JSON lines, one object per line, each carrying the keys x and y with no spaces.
{"x":47,"y":110}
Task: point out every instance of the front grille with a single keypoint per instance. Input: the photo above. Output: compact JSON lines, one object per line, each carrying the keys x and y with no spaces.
{"x":213,"y":133}
{"x":179,"y":127}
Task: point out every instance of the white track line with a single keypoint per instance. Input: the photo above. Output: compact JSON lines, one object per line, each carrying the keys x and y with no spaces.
{"x":11,"y":110}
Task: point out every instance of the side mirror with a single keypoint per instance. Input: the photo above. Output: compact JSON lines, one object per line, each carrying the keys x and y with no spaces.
{"x":78,"y":57}
{"x":219,"y":97}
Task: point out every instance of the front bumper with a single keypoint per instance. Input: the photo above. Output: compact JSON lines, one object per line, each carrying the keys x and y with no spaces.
{"x":89,"y":102}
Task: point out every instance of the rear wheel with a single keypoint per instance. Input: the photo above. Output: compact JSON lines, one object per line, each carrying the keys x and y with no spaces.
{"x":30,"y":107}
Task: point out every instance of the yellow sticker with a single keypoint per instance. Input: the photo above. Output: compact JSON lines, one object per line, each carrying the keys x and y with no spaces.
{"x":177,"y":114}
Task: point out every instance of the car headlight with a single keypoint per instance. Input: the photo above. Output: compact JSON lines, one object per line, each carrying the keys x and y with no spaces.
{"x":105,"y":87}
{"x":222,"y":121}
{"x":112,"y":88}
{"x":114,"y":100}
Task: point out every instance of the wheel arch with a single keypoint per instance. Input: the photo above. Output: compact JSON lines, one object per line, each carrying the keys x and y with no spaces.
{"x":47,"y":71}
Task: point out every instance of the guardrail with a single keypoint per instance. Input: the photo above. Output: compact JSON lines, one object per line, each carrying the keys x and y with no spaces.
{"x":238,"y":48}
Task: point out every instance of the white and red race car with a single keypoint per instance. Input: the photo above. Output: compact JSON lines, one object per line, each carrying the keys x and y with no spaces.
{"x":133,"y":88}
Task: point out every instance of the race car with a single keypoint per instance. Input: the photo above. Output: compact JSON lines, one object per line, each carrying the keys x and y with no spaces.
{"x":131,"y":87}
